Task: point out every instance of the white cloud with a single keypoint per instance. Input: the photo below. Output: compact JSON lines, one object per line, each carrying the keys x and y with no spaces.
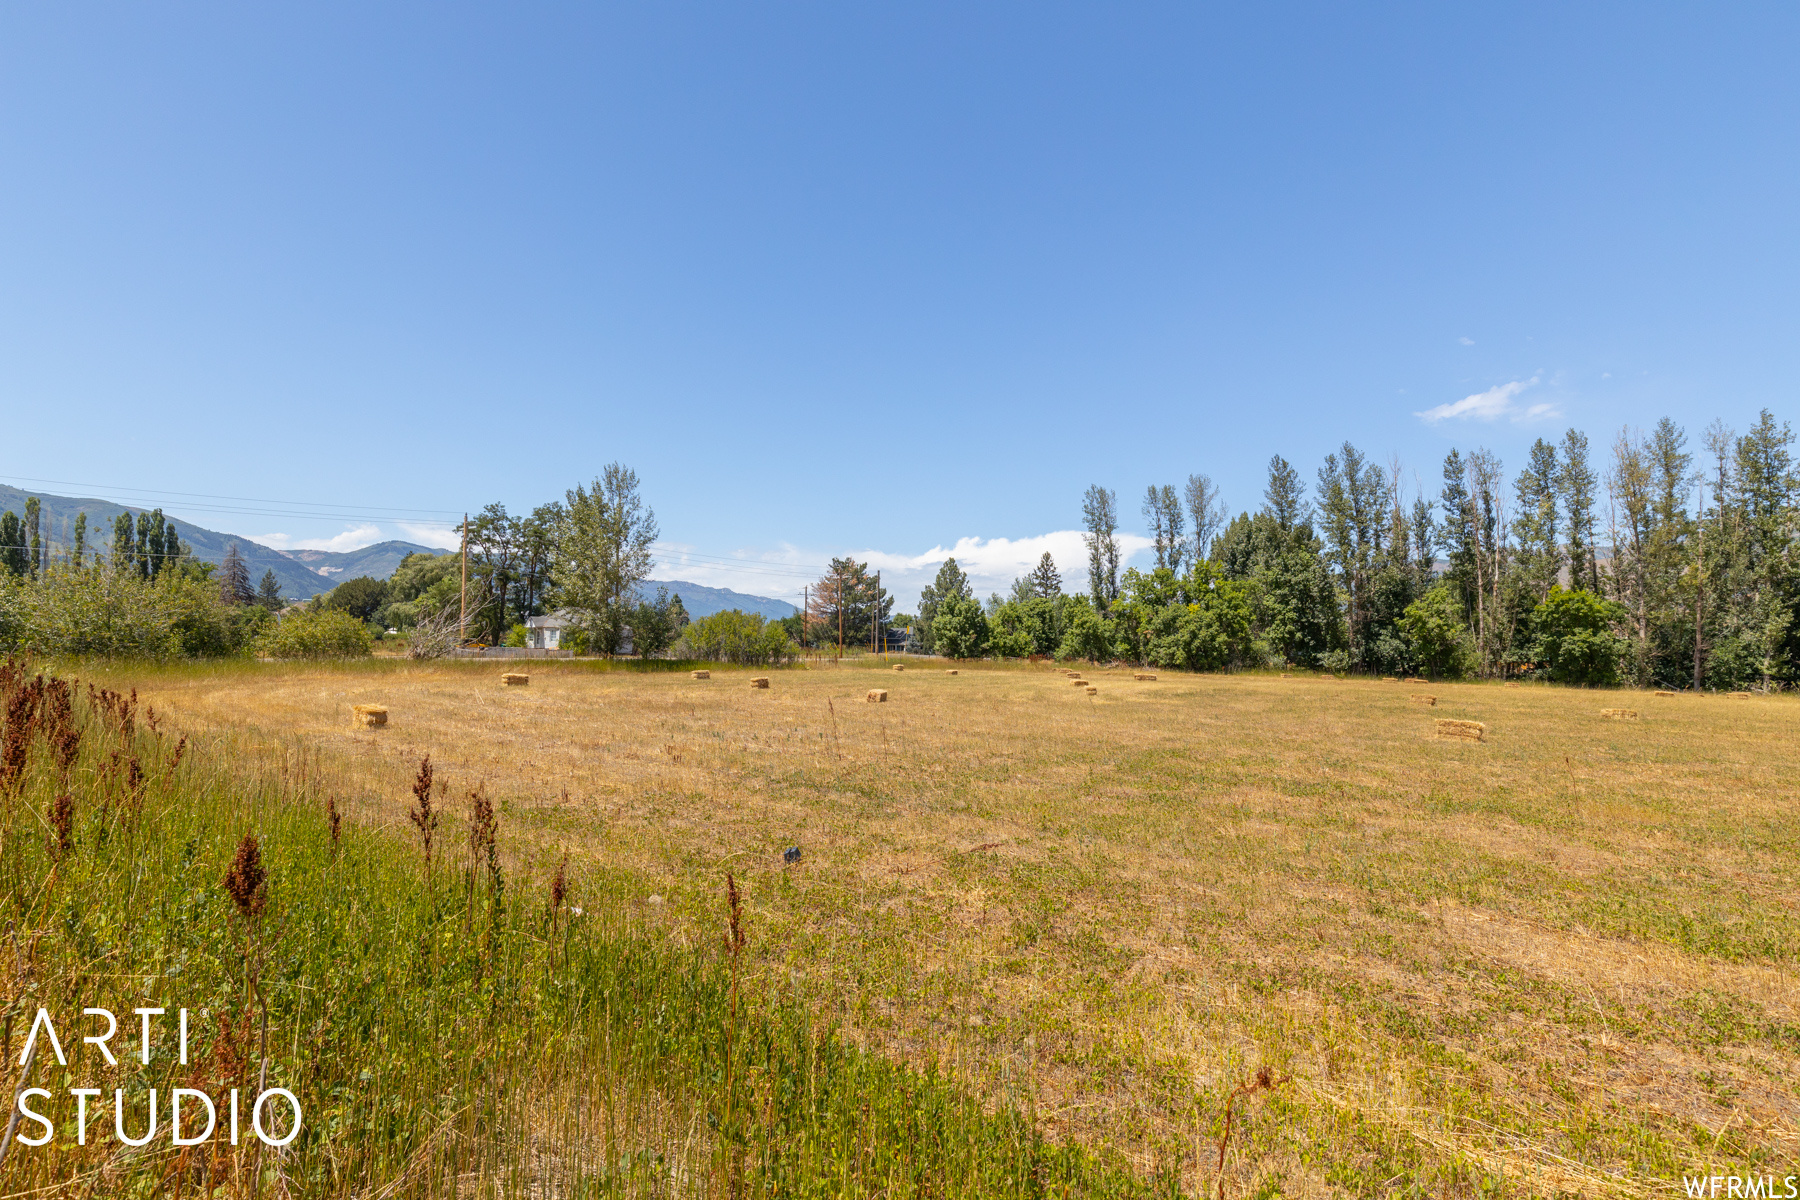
{"x":438,"y":537}
{"x":1466,"y":341}
{"x":990,"y":563}
{"x":1491,"y":405}
{"x":350,"y":539}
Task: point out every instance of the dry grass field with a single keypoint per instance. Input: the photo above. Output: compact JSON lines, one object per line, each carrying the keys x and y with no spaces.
{"x":1563,"y":958}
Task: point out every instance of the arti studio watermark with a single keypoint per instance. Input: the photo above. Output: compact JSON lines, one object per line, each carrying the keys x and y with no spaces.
{"x":266,"y":1113}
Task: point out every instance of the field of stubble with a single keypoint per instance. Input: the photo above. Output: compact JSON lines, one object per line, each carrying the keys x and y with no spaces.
{"x":1564,"y":957}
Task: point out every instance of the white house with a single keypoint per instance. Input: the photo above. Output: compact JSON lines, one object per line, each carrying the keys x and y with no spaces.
{"x":545,"y":632}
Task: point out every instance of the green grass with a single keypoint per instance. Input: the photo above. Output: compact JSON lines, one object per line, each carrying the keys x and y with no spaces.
{"x":447,"y":1034}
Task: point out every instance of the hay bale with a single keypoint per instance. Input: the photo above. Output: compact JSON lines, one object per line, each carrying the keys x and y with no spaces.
{"x":877,"y":696}
{"x":514,"y":679}
{"x":759,"y":681}
{"x":1665,"y":693}
{"x":1143,"y":677}
{"x":1512,"y":685}
{"x":950,"y":670}
{"x":1739,"y":695}
{"x":1428,"y":701}
{"x":1093,"y":691}
{"x":899,"y":666}
{"x":1472,"y":731}
{"x":1078,"y":681}
{"x":702,"y":674}
{"x":1619,"y":714}
{"x":368,"y":716}
{"x":1389,"y":679}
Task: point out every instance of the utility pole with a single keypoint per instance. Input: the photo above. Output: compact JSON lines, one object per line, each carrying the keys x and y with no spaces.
{"x":462,"y":614}
{"x":875,"y":617}
{"x":838,"y":591}
{"x":805,"y":616}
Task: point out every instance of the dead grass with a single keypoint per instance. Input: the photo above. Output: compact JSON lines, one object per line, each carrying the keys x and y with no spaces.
{"x":1563,"y":956}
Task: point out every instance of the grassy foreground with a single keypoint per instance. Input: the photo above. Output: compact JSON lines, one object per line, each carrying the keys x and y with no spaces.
{"x":449,"y":1030}
{"x":1559,"y":961}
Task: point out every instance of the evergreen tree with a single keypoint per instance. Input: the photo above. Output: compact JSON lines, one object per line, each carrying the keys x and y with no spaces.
{"x":146,"y":549}
{"x":124,"y":544}
{"x":12,"y":543}
{"x":234,"y":579}
{"x":34,"y":563}
{"x":80,"y":551}
{"x":950,"y":582}
{"x":268,"y":593}
{"x":1100,"y":517}
{"x":1575,"y":494}
{"x":849,"y":599}
{"x":156,"y":527}
{"x":1046,"y":580}
{"x":1536,"y":526}
{"x":1284,"y":498}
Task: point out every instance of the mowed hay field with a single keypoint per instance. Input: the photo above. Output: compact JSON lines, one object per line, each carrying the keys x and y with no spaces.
{"x":1563,"y":957}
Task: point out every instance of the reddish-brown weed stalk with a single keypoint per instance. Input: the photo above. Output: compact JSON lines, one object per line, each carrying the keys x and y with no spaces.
{"x":1263,"y":1082}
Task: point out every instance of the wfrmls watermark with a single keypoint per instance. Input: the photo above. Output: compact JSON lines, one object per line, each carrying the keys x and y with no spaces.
{"x":1742,"y":1187}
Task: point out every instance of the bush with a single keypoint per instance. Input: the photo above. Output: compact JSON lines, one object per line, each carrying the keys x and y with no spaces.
{"x":325,"y":633}
{"x":959,"y":629}
{"x":515,"y":636}
{"x":1089,"y":636}
{"x":118,"y":614}
{"x":1575,"y":638}
{"x":1433,"y":624}
{"x":736,"y":637}
{"x":359,"y":597}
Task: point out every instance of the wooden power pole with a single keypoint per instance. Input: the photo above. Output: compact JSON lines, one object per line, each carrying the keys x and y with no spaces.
{"x":462,"y":613}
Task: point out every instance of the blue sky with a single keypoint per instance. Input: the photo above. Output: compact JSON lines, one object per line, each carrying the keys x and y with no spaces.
{"x":873,"y":280}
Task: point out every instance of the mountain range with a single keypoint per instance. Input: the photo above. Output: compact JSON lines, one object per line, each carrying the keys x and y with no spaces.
{"x":306,"y":573}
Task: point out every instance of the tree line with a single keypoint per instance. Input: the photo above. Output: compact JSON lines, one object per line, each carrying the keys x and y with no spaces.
{"x":1660,"y":566}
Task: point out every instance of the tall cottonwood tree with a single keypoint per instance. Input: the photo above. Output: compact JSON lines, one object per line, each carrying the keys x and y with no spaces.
{"x":1100,"y":519}
{"x":604,"y":554}
{"x":1162,"y":510}
{"x":1206,"y":511}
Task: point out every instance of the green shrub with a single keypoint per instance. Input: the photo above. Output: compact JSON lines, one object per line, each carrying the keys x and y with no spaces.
{"x":1575,"y":638}
{"x":959,"y":629}
{"x":100,"y":612}
{"x":1433,"y":624}
{"x":515,"y":636}
{"x":321,"y":633}
{"x":736,"y":637}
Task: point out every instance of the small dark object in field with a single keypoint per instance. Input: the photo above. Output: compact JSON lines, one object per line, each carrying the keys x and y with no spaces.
{"x":791,"y":854}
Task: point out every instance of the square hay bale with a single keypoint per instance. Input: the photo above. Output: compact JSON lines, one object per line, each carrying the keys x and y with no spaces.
{"x":1389,"y":679}
{"x":1665,"y":693}
{"x":877,"y":696}
{"x":950,"y":670}
{"x":899,"y":666}
{"x":702,"y":674}
{"x":1620,"y":714}
{"x":368,"y":716}
{"x":1511,"y":684}
{"x":1428,"y":701}
{"x":514,"y":679}
{"x":1078,"y":681}
{"x":1472,"y":731}
{"x":1093,"y":691}
{"x":759,"y":681}
{"x":1143,"y":677}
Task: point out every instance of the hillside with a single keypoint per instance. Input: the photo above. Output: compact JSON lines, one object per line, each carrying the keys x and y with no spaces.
{"x":297,"y":581}
{"x":378,"y":561}
{"x":701,"y":601}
